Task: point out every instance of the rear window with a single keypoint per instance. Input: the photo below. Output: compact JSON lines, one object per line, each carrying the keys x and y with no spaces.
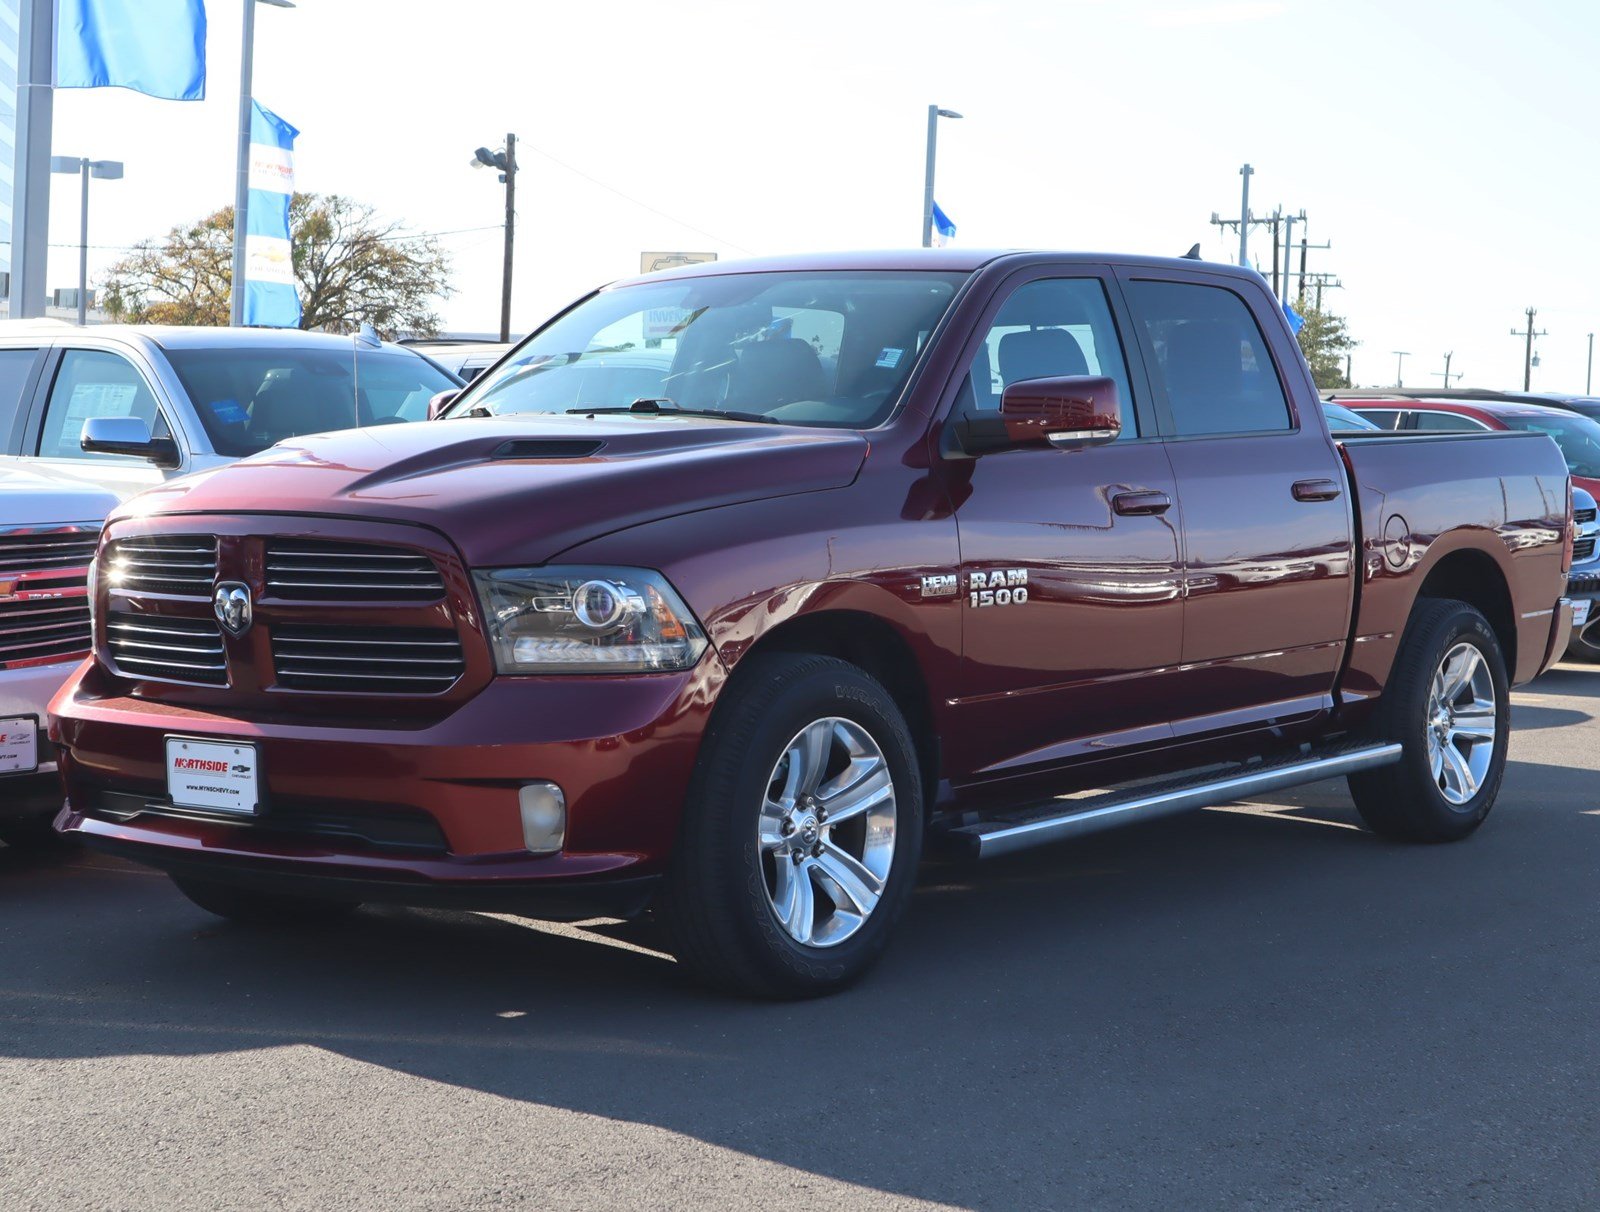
{"x":247,"y":399}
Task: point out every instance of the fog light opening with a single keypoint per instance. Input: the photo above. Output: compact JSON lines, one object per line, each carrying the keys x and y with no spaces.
{"x":544,"y":817}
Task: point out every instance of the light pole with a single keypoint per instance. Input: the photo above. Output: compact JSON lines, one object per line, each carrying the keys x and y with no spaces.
{"x":506,"y":161}
{"x":1588,"y":378}
{"x":241,"y":188}
{"x":106,"y":170}
{"x":934,"y":114}
{"x":1400,"y":366}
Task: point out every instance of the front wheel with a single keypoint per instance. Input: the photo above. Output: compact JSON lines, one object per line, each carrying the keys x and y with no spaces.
{"x":1448,"y":704}
{"x":801,"y":834}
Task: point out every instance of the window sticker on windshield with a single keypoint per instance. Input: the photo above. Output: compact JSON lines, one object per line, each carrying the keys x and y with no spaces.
{"x":890,"y":358}
{"x":229,"y":412}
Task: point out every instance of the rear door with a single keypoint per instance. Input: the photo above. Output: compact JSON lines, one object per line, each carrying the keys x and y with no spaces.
{"x":1069,"y":558}
{"x":1268,"y":533}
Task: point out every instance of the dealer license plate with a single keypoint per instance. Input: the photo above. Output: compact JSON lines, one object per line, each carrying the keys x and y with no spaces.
{"x":216,"y":776}
{"x":1580,"y":612}
{"x":19,"y":745}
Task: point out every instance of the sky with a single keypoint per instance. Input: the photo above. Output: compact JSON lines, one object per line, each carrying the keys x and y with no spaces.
{"x":1444,"y":148}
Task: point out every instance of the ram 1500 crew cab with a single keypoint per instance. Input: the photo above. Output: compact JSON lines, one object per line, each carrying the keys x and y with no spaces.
{"x":870,"y":548}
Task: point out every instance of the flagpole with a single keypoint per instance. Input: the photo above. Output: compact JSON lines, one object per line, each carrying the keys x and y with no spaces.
{"x":30,"y":206}
{"x":241,"y":187}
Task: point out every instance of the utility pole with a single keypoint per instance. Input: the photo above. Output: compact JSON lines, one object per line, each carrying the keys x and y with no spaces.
{"x":510,"y":177}
{"x":1588,"y":378}
{"x":1349,"y":381}
{"x":1277,"y":217}
{"x":1324,"y":280}
{"x":1400,"y":366}
{"x":1244,"y":217}
{"x":1446,"y":375}
{"x":1528,"y":335}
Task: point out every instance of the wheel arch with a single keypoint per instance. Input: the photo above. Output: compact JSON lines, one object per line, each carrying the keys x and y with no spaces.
{"x":1471,"y":575}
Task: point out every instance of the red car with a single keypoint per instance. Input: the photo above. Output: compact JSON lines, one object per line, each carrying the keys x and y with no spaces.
{"x":871,"y":547}
{"x":1577,"y":435}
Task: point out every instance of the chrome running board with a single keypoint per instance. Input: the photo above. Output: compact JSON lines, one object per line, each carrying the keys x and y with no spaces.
{"x":1065,"y":819}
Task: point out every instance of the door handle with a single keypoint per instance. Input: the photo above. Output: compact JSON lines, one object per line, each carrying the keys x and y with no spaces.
{"x":1316,"y":490}
{"x":1141,"y":504}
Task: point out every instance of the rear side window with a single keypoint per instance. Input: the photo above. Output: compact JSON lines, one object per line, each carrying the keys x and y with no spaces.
{"x":1383,"y":418}
{"x":15,"y":367}
{"x":1448,"y":421}
{"x":1211,"y":357}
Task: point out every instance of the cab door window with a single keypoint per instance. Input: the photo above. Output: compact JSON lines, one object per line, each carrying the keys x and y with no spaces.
{"x":94,"y":383}
{"x":1050,"y":328}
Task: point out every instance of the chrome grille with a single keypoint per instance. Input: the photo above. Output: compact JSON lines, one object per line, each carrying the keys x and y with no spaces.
{"x":309,"y":570}
{"x":1582,"y":550}
{"x":180,"y":564}
{"x":366,"y":660}
{"x":40,"y":628}
{"x":42,"y":552}
{"x":1583,"y":516}
{"x":173,"y":650}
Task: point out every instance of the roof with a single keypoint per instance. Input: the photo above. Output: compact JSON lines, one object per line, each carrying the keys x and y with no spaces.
{"x":173,"y":336}
{"x":1466,"y":407}
{"x":945,"y":260}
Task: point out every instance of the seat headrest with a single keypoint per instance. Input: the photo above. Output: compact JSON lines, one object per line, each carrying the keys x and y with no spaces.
{"x":1041,"y":353}
{"x":774,"y":372}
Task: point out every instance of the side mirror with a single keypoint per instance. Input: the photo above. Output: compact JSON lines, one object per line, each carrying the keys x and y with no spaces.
{"x":440,"y":402}
{"x":128,"y":436}
{"x":1077,"y":410}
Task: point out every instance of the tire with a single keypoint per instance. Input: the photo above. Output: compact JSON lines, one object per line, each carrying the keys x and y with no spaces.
{"x":260,"y":908}
{"x":33,"y":833}
{"x":1408,"y":800}
{"x":750,"y":902}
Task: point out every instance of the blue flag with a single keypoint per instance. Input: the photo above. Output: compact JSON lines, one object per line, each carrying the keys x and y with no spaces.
{"x":156,"y":47}
{"x":1296,"y":320}
{"x":270,"y":297}
{"x":944,"y":231}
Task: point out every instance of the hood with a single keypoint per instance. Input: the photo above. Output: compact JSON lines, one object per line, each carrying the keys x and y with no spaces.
{"x":521,"y":489}
{"x":42,"y":497}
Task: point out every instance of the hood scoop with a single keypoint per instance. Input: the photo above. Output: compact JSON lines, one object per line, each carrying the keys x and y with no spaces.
{"x":547,"y":448}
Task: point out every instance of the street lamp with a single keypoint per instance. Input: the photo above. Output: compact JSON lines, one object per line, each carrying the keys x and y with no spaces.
{"x":106,"y":170}
{"x":241,"y":190}
{"x":934,"y":114}
{"x":506,"y":161}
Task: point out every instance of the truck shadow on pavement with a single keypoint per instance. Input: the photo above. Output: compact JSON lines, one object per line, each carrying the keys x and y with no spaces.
{"x":1226,"y":1003}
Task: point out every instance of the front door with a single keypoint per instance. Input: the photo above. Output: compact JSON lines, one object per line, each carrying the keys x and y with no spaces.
{"x":98,"y":383}
{"x":1069,"y":558}
{"x":1266,"y":513}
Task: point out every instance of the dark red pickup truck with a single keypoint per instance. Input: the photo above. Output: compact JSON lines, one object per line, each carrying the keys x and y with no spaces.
{"x":734,"y":584}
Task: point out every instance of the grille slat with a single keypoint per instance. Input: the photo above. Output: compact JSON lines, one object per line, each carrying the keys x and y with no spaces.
{"x":1583,"y":549}
{"x":177,"y":650}
{"x":179,"y":566}
{"x":316,"y":571}
{"x":1583,"y":516}
{"x":366,"y":660}
{"x":46,"y":628}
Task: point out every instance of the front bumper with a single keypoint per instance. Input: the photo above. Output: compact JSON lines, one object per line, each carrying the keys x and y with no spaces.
{"x":28,"y":692}
{"x":420,"y":814}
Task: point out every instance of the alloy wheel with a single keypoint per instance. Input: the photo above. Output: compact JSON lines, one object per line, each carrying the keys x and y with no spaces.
{"x":1462,"y":723}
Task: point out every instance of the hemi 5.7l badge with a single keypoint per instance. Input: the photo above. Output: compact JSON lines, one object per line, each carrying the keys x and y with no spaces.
{"x":1003,"y":587}
{"x":942,"y":585}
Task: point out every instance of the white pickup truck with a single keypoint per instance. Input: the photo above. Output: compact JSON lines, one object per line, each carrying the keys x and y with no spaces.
{"x":49,"y":525}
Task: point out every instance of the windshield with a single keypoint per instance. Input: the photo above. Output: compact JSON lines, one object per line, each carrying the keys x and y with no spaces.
{"x":830,"y":349}
{"x":1578,"y":437}
{"x":248,"y":398}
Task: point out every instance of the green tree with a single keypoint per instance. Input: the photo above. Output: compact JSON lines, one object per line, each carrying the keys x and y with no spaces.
{"x":352,"y":268}
{"x":1325,"y":341}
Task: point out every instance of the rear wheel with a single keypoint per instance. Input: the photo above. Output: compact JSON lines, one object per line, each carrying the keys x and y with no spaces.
{"x":1448,"y":706}
{"x":260,"y":908}
{"x":801,"y":833}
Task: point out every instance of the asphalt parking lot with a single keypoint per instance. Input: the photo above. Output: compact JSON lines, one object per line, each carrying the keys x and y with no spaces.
{"x":1255,"y":1007}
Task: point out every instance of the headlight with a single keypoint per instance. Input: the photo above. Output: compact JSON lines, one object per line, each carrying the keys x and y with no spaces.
{"x":586,"y":620}
{"x":94,"y":585}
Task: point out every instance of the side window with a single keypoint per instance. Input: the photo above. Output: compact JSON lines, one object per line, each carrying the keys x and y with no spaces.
{"x":93,"y":383}
{"x":1212,"y":357}
{"x":1383,"y":418}
{"x":1446,"y":421}
{"x":15,"y":367}
{"x":1046,"y":329}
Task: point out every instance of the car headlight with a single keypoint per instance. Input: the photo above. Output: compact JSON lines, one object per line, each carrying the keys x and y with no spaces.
{"x":586,"y":620}
{"x":93,"y":583}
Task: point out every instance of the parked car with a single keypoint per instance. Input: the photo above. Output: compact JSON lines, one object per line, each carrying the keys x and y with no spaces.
{"x":1577,"y":436}
{"x":127,"y":407}
{"x":49,"y":526}
{"x":1344,"y":420}
{"x":464,"y":359}
{"x":1583,"y":583}
{"x":734,"y":647}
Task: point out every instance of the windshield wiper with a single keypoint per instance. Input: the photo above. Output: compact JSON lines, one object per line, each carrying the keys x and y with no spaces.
{"x":661,"y":406}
